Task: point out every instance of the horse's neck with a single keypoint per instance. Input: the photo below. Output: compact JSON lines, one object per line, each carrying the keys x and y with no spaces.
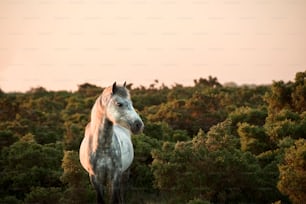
{"x":105,"y":134}
{"x":102,"y":135}
{"x":101,"y":127}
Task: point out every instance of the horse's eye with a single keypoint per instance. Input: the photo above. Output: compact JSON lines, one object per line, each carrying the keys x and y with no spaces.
{"x":119,"y":104}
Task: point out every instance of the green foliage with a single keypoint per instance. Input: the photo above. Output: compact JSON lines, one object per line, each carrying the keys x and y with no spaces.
{"x":76,"y":179}
{"x":171,"y":113}
{"x":140,"y":171}
{"x":205,"y":143}
{"x":44,"y":195}
{"x":9,"y":106}
{"x":158,"y":130}
{"x":7,"y":138}
{"x":180,"y":92}
{"x":202,"y":110}
{"x":253,"y":138}
{"x":254,"y":116}
{"x":27,"y":165}
{"x":10,"y":200}
{"x":221,"y":136}
{"x":73,"y":136}
{"x":189,"y":170}
{"x":143,"y":97}
{"x":198,"y":201}
{"x":73,"y":173}
{"x":293,"y":172}
{"x":291,"y":95}
{"x":286,"y":123}
{"x":299,"y":93}
{"x":89,"y":90}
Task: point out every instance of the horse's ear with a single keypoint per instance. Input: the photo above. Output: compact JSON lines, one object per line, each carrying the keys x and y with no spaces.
{"x":124,"y":84}
{"x":114,"y":89}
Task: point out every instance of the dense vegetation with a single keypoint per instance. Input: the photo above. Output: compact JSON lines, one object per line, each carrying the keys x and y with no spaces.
{"x":208,"y":143}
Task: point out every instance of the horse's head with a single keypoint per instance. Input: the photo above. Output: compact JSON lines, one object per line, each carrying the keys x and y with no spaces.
{"x":119,"y":108}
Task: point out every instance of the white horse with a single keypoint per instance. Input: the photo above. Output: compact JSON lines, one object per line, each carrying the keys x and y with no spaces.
{"x":106,"y":151}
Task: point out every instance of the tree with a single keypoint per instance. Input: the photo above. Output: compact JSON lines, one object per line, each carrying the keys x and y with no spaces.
{"x":7,"y":138}
{"x":180,"y":92}
{"x":269,"y":176}
{"x":43,"y":195}
{"x":9,"y":106}
{"x":29,"y":165}
{"x":172,"y":113}
{"x":73,"y":136}
{"x":279,"y":97}
{"x":210,"y":82}
{"x":89,"y":90}
{"x":140,"y":177}
{"x":202,"y":169}
{"x":293,"y":172}
{"x":285,"y":123}
{"x":253,"y":138}
{"x":253,"y":116}
{"x":143,"y":97}
{"x":202,"y":110}
{"x":76,"y":179}
{"x":290,"y":95}
{"x":299,"y":92}
{"x":221,"y":136}
{"x":202,"y":143}
{"x":10,"y":199}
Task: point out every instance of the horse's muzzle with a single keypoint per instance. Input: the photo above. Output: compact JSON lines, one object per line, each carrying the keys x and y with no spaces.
{"x":137,"y":126}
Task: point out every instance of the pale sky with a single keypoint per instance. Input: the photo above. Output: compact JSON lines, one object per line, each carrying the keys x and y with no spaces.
{"x":59,"y":44}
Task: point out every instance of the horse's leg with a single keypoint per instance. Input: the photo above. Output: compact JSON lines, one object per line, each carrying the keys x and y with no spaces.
{"x":124,"y":183}
{"x":99,"y":189}
{"x":117,"y":193}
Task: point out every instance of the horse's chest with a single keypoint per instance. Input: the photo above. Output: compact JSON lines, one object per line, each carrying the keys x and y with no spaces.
{"x":126,"y":149}
{"x":119,"y":155}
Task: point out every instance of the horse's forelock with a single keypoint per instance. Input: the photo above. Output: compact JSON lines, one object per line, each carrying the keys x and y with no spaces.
{"x":108,"y":93}
{"x":122,"y":91}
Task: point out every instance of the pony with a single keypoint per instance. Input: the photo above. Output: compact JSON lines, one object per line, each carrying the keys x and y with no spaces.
{"x":106,"y":151}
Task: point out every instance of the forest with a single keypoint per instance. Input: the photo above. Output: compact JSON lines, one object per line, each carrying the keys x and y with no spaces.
{"x":205,"y":143}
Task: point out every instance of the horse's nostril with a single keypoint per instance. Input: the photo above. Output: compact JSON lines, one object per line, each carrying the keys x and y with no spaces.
{"x":137,"y":126}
